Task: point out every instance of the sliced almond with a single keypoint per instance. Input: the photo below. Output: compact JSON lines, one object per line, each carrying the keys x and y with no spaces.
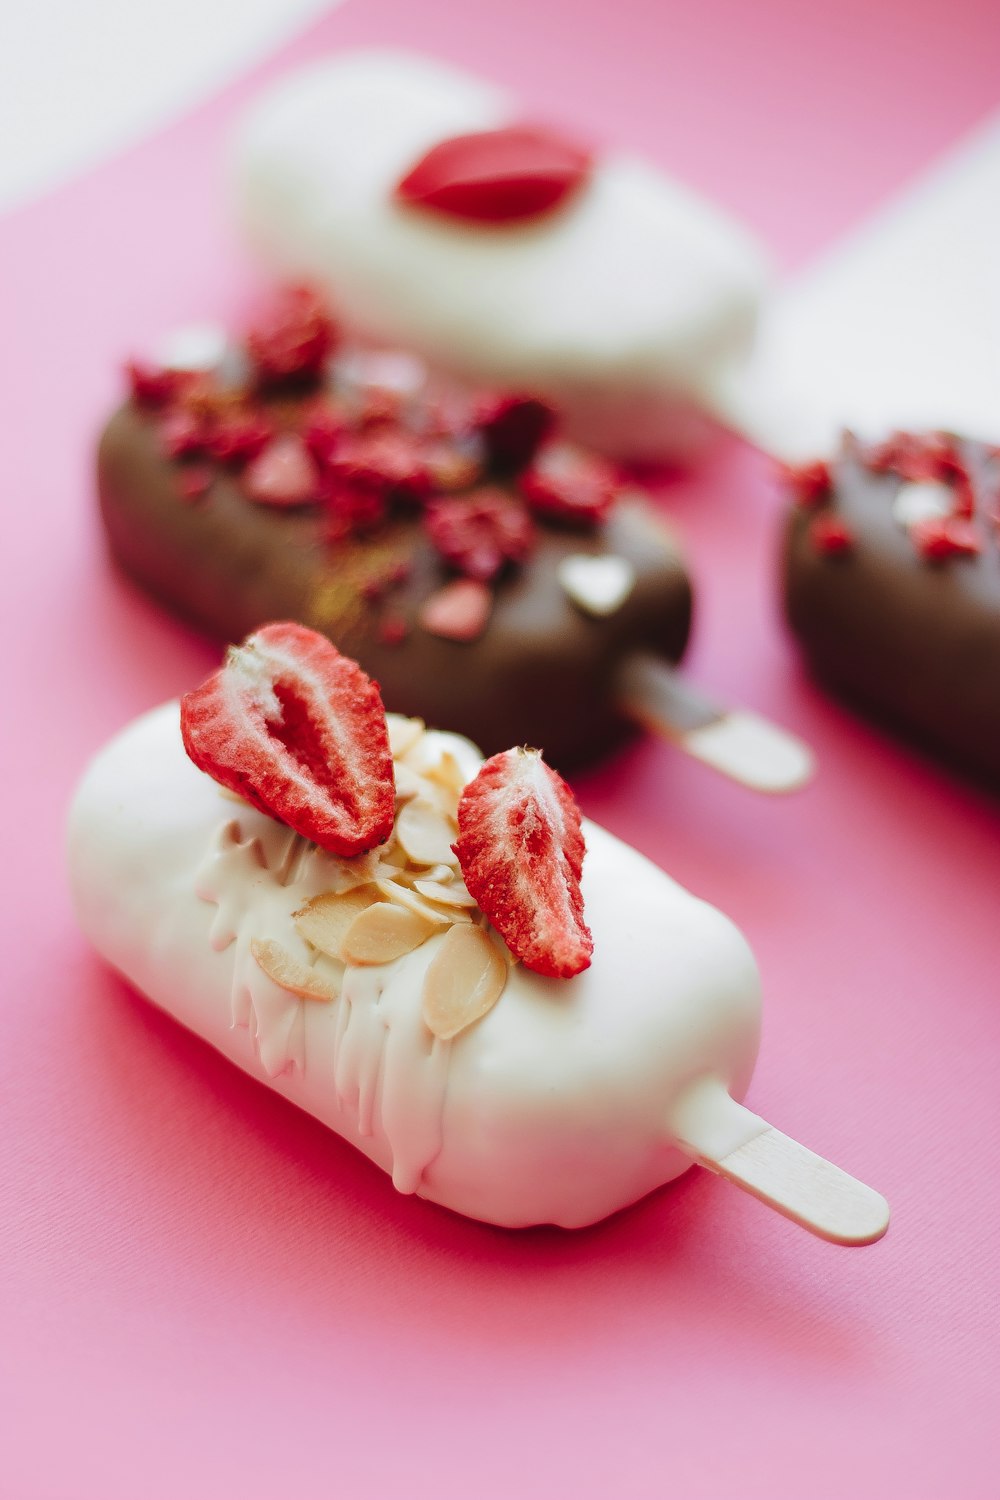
{"x":403,"y":733}
{"x":408,"y":783}
{"x":449,"y":774}
{"x":403,"y":895}
{"x":325,"y":920}
{"x":425,"y":833}
{"x":286,"y":970}
{"x":442,"y":874}
{"x":441,"y":797}
{"x":384,"y":932}
{"x":464,"y":980}
{"x":454,"y":894}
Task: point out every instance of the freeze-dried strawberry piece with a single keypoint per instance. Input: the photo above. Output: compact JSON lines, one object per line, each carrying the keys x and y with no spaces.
{"x":940,"y":537}
{"x":324,"y":426}
{"x":459,"y":611}
{"x":515,"y":427}
{"x":151,"y":386}
{"x":480,"y":532}
{"x":916,"y":456}
{"x":520,"y":846}
{"x":565,"y":484}
{"x":298,"y":731}
{"x":831,"y":535}
{"x":293,"y":338}
{"x":351,"y":509}
{"x":391,"y":462}
{"x":282,"y":475}
{"x":497,"y":176}
{"x":810,"y":484}
{"x":239,"y":437}
{"x":184,"y":434}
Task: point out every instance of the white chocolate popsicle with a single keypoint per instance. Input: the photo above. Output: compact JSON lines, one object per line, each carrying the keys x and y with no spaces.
{"x":567,"y":1100}
{"x":632,"y":305}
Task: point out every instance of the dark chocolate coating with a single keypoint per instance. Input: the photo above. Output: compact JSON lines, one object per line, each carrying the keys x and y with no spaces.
{"x":541,"y":674}
{"x":912,"y":643}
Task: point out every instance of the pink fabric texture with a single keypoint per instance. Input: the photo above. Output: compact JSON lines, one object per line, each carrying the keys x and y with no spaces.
{"x":206,"y":1294}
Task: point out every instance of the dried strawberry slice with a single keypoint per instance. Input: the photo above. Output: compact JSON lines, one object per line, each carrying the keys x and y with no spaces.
{"x":497,"y":176}
{"x":239,"y":437}
{"x":391,"y":462}
{"x":520,"y":846}
{"x":565,"y":484}
{"x":298,"y":731}
{"x":938,"y":538}
{"x":831,"y":535}
{"x":152,"y":386}
{"x":293,"y":338}
{"x":479,"y":533}
{"x":515,"y":427}
{"x":184,"y":434}
{"x":810,"y":484}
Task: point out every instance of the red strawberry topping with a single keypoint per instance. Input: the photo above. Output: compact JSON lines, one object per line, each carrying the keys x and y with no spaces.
{"x":293,"y":338}
{"x":351,"y":509}
{"x":459,"y":611}
{"x":831,"y":535}
{"x":153,"y":387}
{"x":810,"y":483}
{"x":940,"y":537}
{"x":917,"y":456}
{"x":564,"y":484}
{"x":239,"y":437}
{"x":479,"y":533}
{"x":520,"y":846}
{"x":497,"y":176}
{"x":515,"y":428}
{"x":386,"y":460}
{"x":325,"y":425}
{"x":184,"y":433}
{"x":282,"y":475}
{"x":299,"y":731}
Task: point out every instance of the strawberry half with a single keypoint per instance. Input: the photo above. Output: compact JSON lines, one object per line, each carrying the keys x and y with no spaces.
{"x":299,"y":731}
{"x":520,"y":846}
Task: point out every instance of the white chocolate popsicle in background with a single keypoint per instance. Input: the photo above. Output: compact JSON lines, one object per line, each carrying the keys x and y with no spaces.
{"x":559,"y":1101}
{"x":631,"y":305}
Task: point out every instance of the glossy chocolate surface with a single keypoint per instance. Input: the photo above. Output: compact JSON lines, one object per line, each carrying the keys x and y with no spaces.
{"x":542,"y":672}
{"x":912,"y":641}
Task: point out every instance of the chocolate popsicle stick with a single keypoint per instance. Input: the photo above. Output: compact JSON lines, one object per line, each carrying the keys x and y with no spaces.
{"x":731,"y":1141}
{"x":739,"y":744}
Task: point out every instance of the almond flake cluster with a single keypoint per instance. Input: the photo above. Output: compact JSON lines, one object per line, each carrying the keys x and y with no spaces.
{"x":390,"y":901}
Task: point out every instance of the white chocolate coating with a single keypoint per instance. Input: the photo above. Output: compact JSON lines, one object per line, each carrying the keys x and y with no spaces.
{"x":558,"y":1106}
{"x":629,"y":306}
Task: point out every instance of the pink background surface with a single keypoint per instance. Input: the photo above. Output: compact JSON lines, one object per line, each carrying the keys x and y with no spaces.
{"x":206,"y":1294}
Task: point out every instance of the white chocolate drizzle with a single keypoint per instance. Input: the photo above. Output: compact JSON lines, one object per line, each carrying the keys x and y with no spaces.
{"x":390,"y":1074}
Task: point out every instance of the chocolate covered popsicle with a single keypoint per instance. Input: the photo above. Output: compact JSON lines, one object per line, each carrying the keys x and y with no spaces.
{"x":892,"y":586}
{"x":491,"y":576}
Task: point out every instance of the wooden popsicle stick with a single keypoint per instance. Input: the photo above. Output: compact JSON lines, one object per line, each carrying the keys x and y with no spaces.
{"x":731,"y":1141}
{"x":742,"y":745}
